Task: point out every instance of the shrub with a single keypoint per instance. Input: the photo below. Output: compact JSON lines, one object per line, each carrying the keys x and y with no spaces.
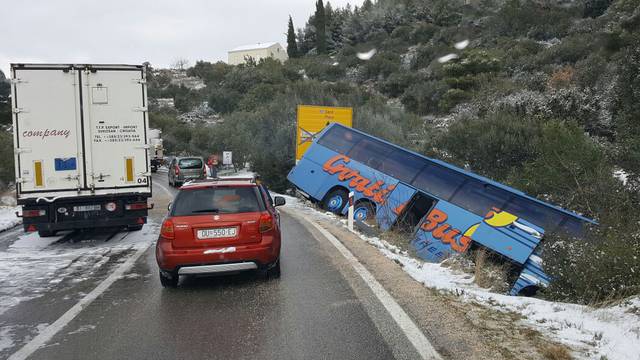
{"x":383,"y":64}
{"x":561,"y":78}
{"x":424,"y":97}
{"x":423,"y":32}
{"x":495,"y":144}
{"x":224,"y":100}
{"x":397,"y":83}
{"x":7,"y":174}
{"x":452,"y":98}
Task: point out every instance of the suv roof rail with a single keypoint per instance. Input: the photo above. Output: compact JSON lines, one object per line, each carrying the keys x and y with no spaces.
{"x":252,"y":179}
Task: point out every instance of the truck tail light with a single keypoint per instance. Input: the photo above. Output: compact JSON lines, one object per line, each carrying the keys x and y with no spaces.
{"x":265,"y":223}
{"x":167,"y":231}
{"x":33,"y":213}
{"x":136,"y":206}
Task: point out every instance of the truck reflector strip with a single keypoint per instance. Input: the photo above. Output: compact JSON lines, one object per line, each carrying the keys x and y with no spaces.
{"x":37,"y":170}
{"x":129,"y":169}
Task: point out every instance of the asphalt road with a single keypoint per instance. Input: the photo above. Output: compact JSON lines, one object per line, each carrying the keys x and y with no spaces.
{"x":318,"y":309}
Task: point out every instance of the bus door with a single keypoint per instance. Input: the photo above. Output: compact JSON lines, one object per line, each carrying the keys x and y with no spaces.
{"x":387,"y":214}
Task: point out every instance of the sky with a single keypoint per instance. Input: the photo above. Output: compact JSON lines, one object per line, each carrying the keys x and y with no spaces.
{"x":135,"y":31}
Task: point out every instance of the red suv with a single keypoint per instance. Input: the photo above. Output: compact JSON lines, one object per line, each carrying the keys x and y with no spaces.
{"x":220,"y":226}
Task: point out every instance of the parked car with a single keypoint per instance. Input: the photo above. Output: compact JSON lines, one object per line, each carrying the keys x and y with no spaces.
{"x":183,"y":169}
{"x":220,"y":226}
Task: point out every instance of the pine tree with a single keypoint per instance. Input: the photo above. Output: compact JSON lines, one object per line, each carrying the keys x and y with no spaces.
{"x":321,"y":28}
{"x":292,"y":45}
{"x":367,"y":5}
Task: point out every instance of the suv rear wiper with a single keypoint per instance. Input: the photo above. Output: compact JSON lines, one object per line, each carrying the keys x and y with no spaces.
{"x":206,"y":210}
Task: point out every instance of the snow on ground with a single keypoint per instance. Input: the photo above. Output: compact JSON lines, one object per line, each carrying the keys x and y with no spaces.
{"x":8,"y":218}
{"x":609,"y":333}
{"x":31,"y":266}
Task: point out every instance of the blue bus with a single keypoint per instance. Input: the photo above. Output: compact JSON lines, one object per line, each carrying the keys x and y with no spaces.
{"x":447,"y":209}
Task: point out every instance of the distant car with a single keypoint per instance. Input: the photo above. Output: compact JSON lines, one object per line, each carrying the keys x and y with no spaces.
{"x":182,"y":169}
{"x":220,"y":226}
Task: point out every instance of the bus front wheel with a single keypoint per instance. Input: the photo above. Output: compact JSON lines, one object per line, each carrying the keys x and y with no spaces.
{"x":335,"y":201}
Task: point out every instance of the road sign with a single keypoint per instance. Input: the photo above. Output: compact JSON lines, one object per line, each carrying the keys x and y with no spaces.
{"x":227,"y":158}
{"x":312,"y":119}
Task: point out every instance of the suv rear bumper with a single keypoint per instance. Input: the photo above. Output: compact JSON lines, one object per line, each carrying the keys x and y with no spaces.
{"x":174,"y":260}
{"x":216,"y":269}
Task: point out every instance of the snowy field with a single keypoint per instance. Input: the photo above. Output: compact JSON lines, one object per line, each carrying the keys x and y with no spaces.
{"x":8,"y":218}
{"x":611,"y":333}
{"x":32,"y":266}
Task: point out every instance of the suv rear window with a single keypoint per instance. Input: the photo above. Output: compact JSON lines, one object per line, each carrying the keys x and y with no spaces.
{"x":190,"y":164}
{"x":217,"y":200}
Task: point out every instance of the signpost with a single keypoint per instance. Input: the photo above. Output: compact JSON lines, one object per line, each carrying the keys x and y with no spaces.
{"x":312,"y":119}
{"x":227,"y":158}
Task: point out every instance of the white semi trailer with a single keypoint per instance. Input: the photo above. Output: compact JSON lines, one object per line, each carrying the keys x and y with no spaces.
{"x":81,"y":146}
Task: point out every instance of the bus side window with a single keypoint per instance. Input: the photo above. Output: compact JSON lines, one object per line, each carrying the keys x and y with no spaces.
{"x":534,"y":213}
{"x":480,"y":198}
{"x":370,"y":152}
{"x":438,"y":181}
{"x":402,"y":165}
{"x":339,"y":139}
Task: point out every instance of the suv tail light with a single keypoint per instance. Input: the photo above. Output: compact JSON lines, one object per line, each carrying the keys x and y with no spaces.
{"x":34,"y":213}
{"x":136,"y":206}
{"x":177,"y":169}
{"x":265,"y":223}
{"x":167,"y":231}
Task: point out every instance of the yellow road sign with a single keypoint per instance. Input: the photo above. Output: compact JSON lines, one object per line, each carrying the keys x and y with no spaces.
{"x":312,"y":119}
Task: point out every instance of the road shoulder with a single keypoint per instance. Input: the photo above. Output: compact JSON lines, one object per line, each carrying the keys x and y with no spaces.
{"x":457,"y":329}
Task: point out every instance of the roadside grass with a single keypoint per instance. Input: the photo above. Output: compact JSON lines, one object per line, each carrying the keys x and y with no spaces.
{"x":556,"y":352}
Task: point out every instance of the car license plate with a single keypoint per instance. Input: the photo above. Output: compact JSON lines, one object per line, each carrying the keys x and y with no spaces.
{"x":87,"y":208}
{"x":217,"y":233}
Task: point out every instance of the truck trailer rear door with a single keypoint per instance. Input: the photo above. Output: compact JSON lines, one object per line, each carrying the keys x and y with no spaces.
{"x":47,"y":129}
{"x":116,"y":122}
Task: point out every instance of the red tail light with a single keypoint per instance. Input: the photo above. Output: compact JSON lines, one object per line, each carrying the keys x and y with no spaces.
{"x":33,"y":213}
{"x":177,"y":170}
{"x":136,"y":206}
{"x":167,"y":231}
{"x":265,"y":223}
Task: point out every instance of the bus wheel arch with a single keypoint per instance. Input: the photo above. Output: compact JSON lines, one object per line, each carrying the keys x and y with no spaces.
{"x":336,"y":199}
{"x":364,"y":209}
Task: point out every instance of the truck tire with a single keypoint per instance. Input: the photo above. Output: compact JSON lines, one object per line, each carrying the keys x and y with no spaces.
{"x":169,"y":281}
{"x":46,"y":233}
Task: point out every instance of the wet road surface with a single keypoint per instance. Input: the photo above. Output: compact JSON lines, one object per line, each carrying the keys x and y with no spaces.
{"x":311,"y":312}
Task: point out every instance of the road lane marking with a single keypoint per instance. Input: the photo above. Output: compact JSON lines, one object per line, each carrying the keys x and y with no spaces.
{"x":51,"y":330}
{"x":402,"y":319}
{"x":164,"y":188}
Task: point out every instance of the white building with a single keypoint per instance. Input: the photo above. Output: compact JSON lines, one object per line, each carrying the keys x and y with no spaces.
{"x":257,"y":51}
